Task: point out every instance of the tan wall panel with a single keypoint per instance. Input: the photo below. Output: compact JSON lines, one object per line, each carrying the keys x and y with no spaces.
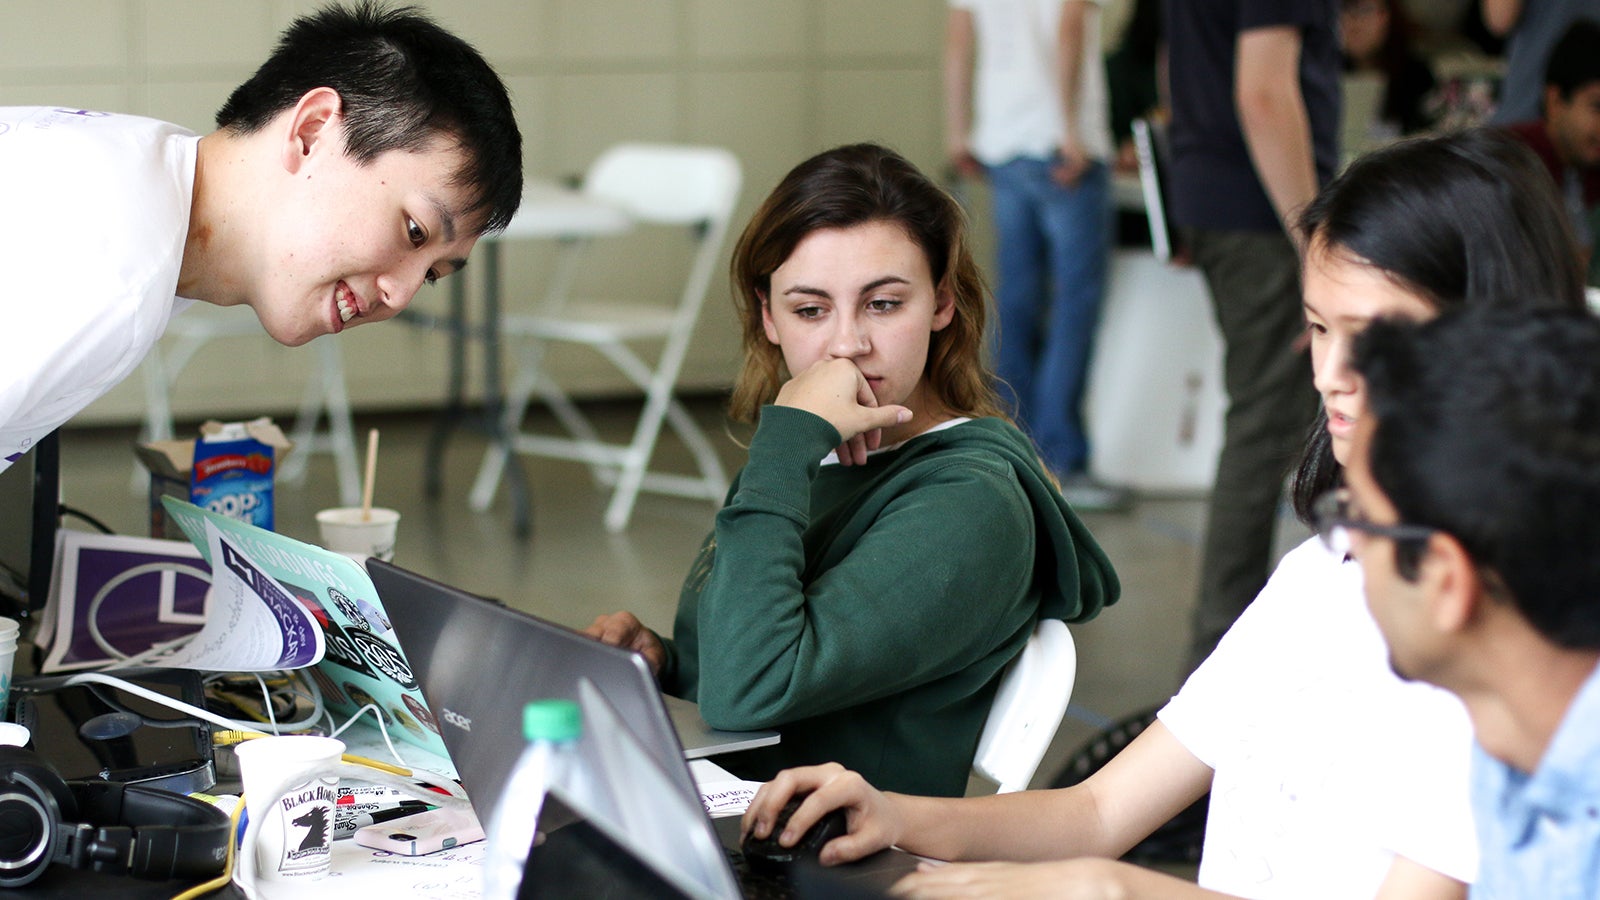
{"x":42,"y":34}
{"x":592,"y":112}
{"x":192,"y":104}
{"x":512,"y":33}
{"x":184,"y":33}
{"x":617,"y":30}
{"x":751,"y":30}
{"x":882,"y":27}
{"x":890,"y":107}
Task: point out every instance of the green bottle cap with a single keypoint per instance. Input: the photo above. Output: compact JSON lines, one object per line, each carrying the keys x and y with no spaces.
{"x":552,"y":720}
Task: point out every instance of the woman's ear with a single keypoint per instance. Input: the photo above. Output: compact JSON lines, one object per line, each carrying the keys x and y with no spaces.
{"x":310,"y":127}
{"x":944,"y":306}
{"x":766,"y":318}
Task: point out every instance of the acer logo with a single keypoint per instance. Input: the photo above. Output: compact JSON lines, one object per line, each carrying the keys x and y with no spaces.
{"x":457,"y":719}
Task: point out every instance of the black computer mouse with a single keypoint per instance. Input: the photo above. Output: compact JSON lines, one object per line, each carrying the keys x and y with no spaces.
{"x":766,"y":854}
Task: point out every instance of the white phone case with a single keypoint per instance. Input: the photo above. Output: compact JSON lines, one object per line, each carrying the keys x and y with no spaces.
{"x":425,"y":832}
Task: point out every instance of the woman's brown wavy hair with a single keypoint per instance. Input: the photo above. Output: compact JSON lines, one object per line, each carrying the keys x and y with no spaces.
{"x":841,"y":188}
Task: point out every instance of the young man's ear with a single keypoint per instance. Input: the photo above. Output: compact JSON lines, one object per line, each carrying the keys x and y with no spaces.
{"x":308,"y":130}
{"x":1451,"y":583}
{"x":1554,"y":103}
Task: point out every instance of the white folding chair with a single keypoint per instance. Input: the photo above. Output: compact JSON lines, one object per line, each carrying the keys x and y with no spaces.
{"x":654,"y":184}
{"x":324,"y":393}
{"x":1028,"y":708}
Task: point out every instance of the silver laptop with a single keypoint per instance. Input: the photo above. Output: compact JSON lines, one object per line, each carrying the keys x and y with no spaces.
{"x":479,"y":662}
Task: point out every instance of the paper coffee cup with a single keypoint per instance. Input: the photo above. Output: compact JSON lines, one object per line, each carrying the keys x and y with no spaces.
{"x":9,"y":629}
{"x":344,"y":531}
{"x":289,"y":791}
{"x":14,"y":735}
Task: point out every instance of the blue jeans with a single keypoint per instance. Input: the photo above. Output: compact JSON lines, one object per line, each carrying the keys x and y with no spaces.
{"x":1054,"y":251}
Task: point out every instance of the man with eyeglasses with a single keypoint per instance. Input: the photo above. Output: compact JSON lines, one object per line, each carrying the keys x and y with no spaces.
{"x":1473,"y":506}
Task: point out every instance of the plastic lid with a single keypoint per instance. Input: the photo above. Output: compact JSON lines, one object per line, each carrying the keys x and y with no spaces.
{"x":552,"y":720}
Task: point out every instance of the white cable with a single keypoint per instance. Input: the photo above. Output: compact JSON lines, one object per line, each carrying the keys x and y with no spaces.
{"x":305,"y":724}
{"x":306,"y":689}
{"x":317,"y":708}
{"x":266,"y":702}
{"x":448,"y":786}
{"x":160,"y":698}
{"x":174,"y":703}
{"x":383,"y":730}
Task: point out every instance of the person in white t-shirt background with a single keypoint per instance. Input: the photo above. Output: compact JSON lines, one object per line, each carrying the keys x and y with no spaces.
{"x":1329,"y":776}
{"x":363,"y":159}
{"x":1026,"y":108}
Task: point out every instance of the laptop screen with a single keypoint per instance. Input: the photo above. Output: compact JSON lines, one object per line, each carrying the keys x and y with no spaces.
{"x":639,"y":807}
{"x":478,"y":663}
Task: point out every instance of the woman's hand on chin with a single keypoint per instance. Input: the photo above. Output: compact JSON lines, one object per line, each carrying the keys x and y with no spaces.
{"x":835,"y":390}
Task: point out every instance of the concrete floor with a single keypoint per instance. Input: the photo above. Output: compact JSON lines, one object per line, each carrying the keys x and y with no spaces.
{"x":572,"y":569}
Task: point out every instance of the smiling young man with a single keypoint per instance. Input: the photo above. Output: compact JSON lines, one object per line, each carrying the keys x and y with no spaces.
{"x":1567,"y":137}
{"x":1471,"y":500}
{"x":363,"y":159}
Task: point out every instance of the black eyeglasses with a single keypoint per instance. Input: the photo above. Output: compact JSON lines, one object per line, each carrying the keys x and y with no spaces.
{"x":1330,"y":515}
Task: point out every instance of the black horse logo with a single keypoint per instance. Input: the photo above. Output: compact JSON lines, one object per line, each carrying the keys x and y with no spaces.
{"x":315,"y":819}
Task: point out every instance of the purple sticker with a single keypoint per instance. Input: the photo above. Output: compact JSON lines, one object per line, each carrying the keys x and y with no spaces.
{"x":121,"y":597}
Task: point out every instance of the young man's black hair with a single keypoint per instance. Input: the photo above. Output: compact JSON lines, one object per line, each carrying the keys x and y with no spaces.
{"x":1488,"y":429}
{"x":1575,"y":59}
{"x":403,"y":81}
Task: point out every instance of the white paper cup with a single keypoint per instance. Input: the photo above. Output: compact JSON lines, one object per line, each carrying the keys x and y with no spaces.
{"x":290,"y":804}
{"x":14,"y":735}
{"x":9,"y":629}
{"x":344,"y":531}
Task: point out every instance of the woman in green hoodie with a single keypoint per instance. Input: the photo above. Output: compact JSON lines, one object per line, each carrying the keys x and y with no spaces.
{"x":893,"y":538}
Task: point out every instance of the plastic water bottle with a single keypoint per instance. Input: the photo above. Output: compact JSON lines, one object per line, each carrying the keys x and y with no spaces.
{"x":552,"y":729}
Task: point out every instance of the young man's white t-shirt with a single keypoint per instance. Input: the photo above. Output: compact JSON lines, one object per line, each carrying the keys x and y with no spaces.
{"x":93,"y":219}
{"x":1327,"y":764}
{"x":1016,"y":87}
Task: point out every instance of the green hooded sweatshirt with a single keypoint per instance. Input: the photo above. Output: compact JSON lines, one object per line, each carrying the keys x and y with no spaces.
{"x":867,"y":612}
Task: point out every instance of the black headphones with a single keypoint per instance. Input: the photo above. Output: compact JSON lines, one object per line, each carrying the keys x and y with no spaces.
{"x":101,"y":825}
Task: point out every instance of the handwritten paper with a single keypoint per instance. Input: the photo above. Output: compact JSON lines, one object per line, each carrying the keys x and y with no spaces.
{"x":727,"y":798}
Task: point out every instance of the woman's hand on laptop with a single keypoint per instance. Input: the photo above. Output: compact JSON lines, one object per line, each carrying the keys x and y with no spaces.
{"x":623,"y":629}
{"x":874,"y":820}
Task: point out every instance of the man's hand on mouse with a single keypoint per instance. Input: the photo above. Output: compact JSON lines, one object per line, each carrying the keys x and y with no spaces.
{"x":875,"y":823}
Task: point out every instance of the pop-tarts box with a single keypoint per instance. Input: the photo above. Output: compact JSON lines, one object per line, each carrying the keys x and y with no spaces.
{"x":228,"y":469}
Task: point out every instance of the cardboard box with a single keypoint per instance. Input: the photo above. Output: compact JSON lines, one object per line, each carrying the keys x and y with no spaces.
{"x":237,"y":462}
